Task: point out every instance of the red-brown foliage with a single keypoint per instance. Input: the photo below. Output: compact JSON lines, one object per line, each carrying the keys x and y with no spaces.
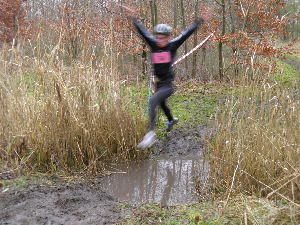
{"x":11,"y":19}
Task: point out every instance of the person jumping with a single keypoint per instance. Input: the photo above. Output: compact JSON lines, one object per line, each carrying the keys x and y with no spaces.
{"x":163,"y":53}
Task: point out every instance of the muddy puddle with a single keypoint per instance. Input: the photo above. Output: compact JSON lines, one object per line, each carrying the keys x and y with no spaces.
{"x":163,"y":181}
{"x":173,"y":174}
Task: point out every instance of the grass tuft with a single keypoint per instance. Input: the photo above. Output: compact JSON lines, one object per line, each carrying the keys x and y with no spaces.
{"x":55,"y":117}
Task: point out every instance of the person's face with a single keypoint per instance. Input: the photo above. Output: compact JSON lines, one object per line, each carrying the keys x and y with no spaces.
{"x":162,"y":40}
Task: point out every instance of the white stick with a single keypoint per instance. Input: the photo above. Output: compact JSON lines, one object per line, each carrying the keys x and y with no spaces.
{"x":194,"y":49}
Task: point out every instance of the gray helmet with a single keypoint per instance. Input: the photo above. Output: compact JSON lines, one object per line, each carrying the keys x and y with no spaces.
{"x":164,"y":29}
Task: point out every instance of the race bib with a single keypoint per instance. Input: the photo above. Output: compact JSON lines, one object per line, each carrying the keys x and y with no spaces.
{"x":161,"y":57}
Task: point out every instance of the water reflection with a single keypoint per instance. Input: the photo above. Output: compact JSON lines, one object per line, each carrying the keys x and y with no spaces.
{"x":167,"y":182}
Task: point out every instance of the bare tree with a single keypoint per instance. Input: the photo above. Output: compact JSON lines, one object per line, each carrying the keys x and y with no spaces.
{"x":194,"y":63}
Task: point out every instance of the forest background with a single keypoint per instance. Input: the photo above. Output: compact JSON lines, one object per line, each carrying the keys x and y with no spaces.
{"x":71,"y":69}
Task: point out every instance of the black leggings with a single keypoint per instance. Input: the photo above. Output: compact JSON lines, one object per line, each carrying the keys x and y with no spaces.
{"x":159,"y":98}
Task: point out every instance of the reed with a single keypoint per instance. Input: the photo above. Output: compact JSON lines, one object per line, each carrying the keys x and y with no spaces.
{"x":64,"y":116}
{"x":256,"y":148}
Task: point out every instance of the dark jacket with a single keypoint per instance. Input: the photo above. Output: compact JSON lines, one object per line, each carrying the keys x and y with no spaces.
{"x":163,"y":58}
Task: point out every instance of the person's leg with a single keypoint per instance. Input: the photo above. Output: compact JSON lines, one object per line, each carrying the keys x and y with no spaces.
{"x":166,"y":110}
{"x":160,"y":96}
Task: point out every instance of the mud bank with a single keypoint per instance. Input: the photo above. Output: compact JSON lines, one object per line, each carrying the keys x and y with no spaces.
{"x":62,"y":204}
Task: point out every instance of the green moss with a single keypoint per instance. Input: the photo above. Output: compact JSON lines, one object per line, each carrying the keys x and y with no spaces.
{"x":29,"y":81}
{"x":287,"y":74}
{"x":22,"y":182}
{"x":237,"y":211}
{"x":137,"y":98}
{"x":192,"y":106}
{"x":201,"y":214}
{"x":19,"y":182}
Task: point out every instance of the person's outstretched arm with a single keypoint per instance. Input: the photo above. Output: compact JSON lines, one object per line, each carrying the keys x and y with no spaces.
{"x":144,"y":32}
{"x":178,"y":41}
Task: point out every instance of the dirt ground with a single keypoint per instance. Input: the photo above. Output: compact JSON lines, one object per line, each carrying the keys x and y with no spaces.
{"x":63,"y":204}
{"x":87,"y":203}
{"x":183,"y":142}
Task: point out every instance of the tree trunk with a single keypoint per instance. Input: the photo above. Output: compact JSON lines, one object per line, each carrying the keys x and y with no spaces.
{"x":175,"y":14}
{"x":183,"y":27}
{"x":194,"y":67}
{"x":155,"y":12}
{"x":220,"y":46}
{"x":233,"y":42}
{"x":153,"y":7}
{"x":203,"y":56}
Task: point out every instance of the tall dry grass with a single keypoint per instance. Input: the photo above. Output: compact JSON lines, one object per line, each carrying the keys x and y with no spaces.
{"x":55,"y":116}
{"x":257,"y":146}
